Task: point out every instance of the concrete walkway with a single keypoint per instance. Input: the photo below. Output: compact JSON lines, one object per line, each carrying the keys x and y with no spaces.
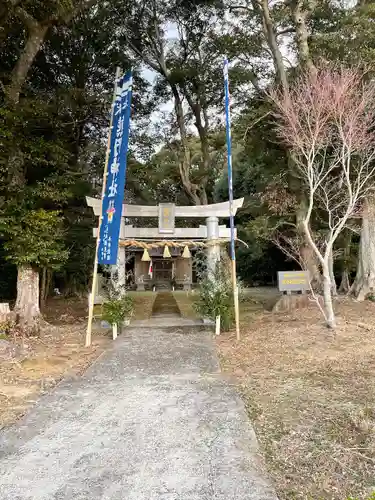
{"x":152,"y":419}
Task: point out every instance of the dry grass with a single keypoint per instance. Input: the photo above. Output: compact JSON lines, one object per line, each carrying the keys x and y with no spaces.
{"x":57,"y":353}
{"x":311,"y":397}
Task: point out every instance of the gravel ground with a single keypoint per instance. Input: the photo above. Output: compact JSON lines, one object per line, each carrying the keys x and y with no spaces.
{"x":152,"y":419}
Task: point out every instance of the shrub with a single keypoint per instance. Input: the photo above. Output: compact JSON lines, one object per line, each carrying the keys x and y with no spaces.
{"x":215,"y":296}
{"x":115,"y":311}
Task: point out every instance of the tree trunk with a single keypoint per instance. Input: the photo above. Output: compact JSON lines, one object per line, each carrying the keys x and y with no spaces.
{"x":364,"y":283}
{"x":332,"y":275}
{"x":37,"y":31}
{"x":48,"y":284}
{"x":34,"y":41}
{"x":27,"y":303}
{"x":327,"y":297}
{"x":185,"y":162}
{"x":45,"y":286}
{"x":309,"y":263}
{"x":345,"y":280}
{"x":270,"y":36}
{"x":308,"y":257}
{"x":200,"y":107}
{"x":300,"y":12}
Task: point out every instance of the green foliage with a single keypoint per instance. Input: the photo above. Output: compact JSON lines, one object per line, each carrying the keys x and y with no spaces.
{"x":116,"y":311}
{"x":32,"y":185}
{"x":215,"y":295}
{"x":52,"y":148}
{"x":259,"y":169}
{"x":35,"y":238}
{"x":8,"y":277}
{"x":345,"y":34}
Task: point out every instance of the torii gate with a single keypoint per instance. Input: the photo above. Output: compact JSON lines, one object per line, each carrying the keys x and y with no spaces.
{"x":211,"y":231}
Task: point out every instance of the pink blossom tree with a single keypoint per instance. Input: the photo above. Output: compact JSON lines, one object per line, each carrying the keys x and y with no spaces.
{"x":327,"y":119}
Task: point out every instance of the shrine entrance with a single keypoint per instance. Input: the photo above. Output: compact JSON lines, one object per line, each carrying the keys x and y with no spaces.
{"x":163,"y":254}
{"x":163,"y":272}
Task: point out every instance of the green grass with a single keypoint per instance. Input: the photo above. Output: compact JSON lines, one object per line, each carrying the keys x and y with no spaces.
{"x":185,"y":302}
{"x":143,"y":302}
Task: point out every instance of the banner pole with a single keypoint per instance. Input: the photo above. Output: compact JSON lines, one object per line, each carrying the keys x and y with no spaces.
{"x":230,"y":189}
{"x":105,"y":175}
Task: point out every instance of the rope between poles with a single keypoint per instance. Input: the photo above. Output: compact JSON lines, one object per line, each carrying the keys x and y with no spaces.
{"x":170,"y":243}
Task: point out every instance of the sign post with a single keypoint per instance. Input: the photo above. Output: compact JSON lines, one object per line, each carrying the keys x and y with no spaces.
{"x":113,"y":184}
{"x":293,"y":281}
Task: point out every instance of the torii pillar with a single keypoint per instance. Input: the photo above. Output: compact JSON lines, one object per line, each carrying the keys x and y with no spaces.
{"x":121,"y":260}
{"x":213,"y":251}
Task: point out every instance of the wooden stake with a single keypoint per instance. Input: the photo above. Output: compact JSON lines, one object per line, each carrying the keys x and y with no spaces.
{"x":217,"y":325}
{"x":105,"y":175}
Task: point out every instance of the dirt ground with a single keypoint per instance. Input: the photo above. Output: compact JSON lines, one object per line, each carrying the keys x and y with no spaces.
{"x":63,"y":311}
{"x":310,"y":395}
{"x":45,"y":360}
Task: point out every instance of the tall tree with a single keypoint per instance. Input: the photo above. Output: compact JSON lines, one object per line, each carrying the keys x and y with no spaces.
{"x":189,"y":68}
{"x":328,"y":122}
{"x":347,"y":35}
{"x":281,"y":26}
{"x":31,"y":21}
{"x":54,"y":131}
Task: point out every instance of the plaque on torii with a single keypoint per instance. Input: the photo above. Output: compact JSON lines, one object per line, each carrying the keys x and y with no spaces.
{"x":166,"y":218}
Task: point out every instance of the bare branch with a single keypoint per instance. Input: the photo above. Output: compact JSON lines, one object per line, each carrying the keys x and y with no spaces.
{"x":255,"y":122}
{"x":327,"y":119}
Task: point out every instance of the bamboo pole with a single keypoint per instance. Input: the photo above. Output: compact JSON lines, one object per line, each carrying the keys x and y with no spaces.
{"x":236,"y":300}
{"x":230,"y":190}
{"x":105,"y":176}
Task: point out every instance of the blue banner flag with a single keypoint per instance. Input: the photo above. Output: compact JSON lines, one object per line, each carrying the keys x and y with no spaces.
{"x":116,"y":173}
{"x":229,"y":156}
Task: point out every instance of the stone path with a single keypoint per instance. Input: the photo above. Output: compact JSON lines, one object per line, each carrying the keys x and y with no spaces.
{"x":165,"y":304}
{"x":152,"y":419}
